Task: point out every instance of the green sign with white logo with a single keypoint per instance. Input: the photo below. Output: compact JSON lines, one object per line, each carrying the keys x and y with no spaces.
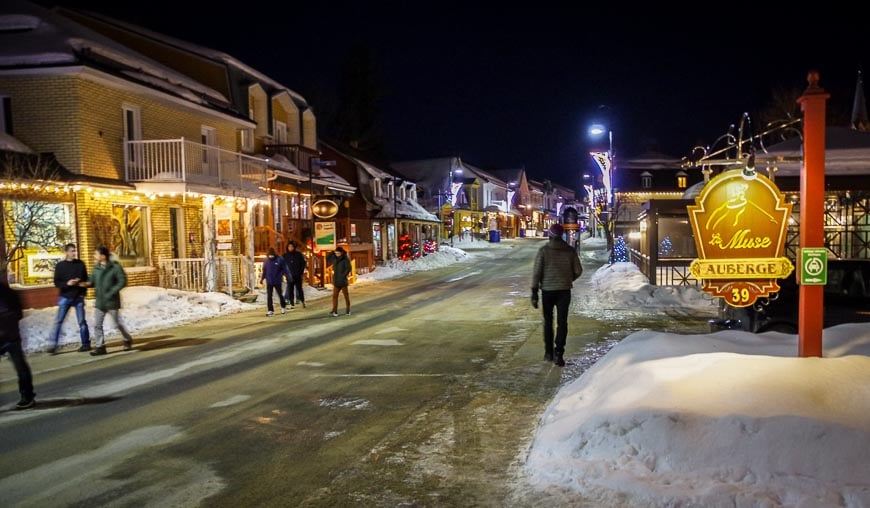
{"x":813,"y":266}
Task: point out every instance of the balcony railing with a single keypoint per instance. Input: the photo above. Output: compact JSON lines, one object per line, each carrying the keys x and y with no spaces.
{"x":179,"y":160}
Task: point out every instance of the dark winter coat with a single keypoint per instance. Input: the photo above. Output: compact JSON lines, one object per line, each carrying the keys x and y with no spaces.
{"x":108,"y":281}
{"x":557,"y":266}
{"x":340,"y":269}
{"x":274,"y":270}
{"x":10,"y":314}
{"x":295,"y":262}
{"x":67,"y":270}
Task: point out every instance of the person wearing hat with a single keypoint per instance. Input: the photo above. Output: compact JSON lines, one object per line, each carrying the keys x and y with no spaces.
{"x":340,"y":271}
{"x":274,"y":273}
{"x":556,"y":268}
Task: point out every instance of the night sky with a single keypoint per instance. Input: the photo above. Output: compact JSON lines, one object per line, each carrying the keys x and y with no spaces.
{"x":505,"y":87}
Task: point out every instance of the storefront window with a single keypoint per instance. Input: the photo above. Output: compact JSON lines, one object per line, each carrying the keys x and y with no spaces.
{"x":675,"y":238}
{"x":36,"y":232}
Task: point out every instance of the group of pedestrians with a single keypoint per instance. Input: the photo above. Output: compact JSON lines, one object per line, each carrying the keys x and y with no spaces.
{"x":287,"y":271}
{"x":288,"y":267}
{"x":71,"y":279}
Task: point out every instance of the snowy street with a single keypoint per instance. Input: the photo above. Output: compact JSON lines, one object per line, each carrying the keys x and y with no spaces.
{"x":429,"y":393}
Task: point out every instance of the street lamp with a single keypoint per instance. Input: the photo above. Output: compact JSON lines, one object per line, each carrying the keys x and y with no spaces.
{"x":605,"y":162}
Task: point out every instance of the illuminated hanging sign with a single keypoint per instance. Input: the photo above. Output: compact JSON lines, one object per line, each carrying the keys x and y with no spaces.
{"x":325,"y":207}
{"x":740,"y":222}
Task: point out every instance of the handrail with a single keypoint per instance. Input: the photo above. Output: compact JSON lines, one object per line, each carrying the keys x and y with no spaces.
{"x":181,"y":160}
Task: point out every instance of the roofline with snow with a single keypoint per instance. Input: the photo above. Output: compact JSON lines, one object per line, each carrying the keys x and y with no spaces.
{"x":108,"y":79}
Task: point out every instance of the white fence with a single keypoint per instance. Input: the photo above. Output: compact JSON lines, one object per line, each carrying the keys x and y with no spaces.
{"x":234,"y":274}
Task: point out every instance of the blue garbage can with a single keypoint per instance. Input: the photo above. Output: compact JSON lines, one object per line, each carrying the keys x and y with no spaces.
{"x":494,"y":236}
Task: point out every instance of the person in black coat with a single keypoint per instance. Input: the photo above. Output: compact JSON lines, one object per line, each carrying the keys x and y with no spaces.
{"x":70,"y":276}
{"x":295,"y":262}
{"x":10,"y":343}
{"x":274,"y":272}
{"x":341,"y":269}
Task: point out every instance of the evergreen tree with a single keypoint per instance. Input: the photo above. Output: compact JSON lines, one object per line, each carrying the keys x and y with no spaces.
{"x":620,"y":250}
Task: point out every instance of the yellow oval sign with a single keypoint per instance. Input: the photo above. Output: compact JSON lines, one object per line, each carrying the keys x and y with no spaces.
{"x":324,"y":209}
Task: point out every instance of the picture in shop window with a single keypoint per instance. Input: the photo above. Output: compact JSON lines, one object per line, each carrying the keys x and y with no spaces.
{"x":129,"y":235}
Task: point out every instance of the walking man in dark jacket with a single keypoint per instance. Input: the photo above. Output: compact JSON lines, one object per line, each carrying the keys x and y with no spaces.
{"x":10,"y":343}
{"x":340,"y":271}
{"x":295,"y":262}
{"x":108,"y":280}
{"x":70,"y":274}
{"x":274,"y":272}
{"x":557,"y":266}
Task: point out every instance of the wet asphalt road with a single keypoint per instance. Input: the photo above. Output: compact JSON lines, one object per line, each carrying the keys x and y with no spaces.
{"x":428,"y":395}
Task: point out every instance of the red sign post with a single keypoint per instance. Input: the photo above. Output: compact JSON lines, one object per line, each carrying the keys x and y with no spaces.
{"x":812,"y":227}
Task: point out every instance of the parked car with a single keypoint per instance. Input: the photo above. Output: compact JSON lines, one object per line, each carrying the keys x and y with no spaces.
{"x":846,"y":300}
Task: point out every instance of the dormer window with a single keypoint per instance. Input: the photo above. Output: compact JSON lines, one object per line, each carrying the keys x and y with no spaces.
{"x":376,"y":187}
{"x":681,"y":179}
{"x":646,"y":180}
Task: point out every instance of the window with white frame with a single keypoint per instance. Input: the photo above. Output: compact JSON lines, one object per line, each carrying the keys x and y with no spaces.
{"x":280,"y":133}
{"x":376,"y":187}
{"x":246,"y":140}
{"x":646,"y":180}
{"x":133,"y":130}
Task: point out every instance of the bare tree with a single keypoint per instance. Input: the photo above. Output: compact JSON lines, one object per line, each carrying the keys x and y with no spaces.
{"x":27,"y":221}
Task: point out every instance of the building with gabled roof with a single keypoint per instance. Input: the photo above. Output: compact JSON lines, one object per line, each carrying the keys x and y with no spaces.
{"x":173,"y":161}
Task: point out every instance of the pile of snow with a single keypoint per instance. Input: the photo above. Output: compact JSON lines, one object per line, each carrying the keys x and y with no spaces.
{"x":143,"y":308}
{"x":727,"y":419}
{"x":624,"y":286}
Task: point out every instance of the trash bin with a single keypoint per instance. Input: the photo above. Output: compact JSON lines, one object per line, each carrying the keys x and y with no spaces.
{"x":522,"y":233}
{"x":494,"y":236}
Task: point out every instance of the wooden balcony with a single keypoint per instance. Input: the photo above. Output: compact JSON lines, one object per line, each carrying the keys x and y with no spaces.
{"x":180,"y":160}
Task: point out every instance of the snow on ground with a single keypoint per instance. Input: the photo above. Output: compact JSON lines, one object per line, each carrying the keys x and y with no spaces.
{"x":724,"y":419}
{"x":147,"y":308}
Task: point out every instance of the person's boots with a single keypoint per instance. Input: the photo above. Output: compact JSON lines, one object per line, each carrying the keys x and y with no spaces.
{"x":558,"y":360}
{"x":548,"y":352}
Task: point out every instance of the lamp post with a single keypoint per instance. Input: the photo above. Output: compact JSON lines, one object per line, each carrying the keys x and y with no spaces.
{"x":605,"y":162}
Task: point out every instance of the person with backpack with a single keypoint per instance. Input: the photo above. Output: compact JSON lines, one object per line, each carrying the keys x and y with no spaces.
{"x":108,"y":279}
{"x":10,"y":343}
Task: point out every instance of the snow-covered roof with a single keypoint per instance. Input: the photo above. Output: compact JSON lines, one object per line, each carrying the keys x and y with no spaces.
{"x":430,"y":172}
{"x":11,"y":144}
{"x":202,"y":51}
{"x":372,"y":170}
{"x":31,"y":36}
{"x":847,"y":152}
{"x":405,"y":209}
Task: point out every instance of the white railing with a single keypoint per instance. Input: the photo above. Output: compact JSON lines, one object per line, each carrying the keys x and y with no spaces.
{"x":188,"y":274}
{"x":179,"y":160}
